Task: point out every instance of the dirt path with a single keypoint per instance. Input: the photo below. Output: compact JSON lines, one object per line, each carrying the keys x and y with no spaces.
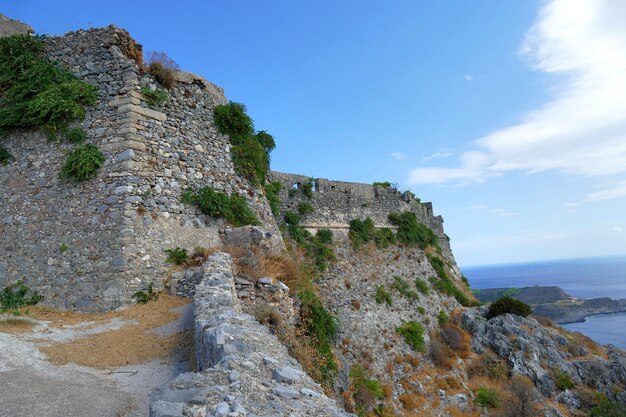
{"x":66,"y":364}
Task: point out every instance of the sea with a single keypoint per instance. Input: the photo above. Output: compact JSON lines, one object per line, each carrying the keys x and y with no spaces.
{"x":580,"y":278}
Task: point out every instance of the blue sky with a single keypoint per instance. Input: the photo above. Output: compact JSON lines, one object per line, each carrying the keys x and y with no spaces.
{"x":509,"y":116}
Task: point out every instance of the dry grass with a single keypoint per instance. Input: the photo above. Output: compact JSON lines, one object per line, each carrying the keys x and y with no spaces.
{"x":15,"y":325}
{"x":412,"y":401}
{"x":132,"y":344}
{"x":456,"y":338}
{"x":162,"y":68}
{"x":441,"y":355}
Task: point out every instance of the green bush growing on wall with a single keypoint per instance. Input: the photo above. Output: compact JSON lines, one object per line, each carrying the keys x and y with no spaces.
{"x":250,"y":151}
{"x":412,"y":233}
{"x":324,"y":236}
{"x":271,"y":193}
{"x":76,"y":135}
{"x":36,"y":92}
{"x":16,"y":295}
{"x":421,"y":286}
{"x":156,"y":97}
{"x":233,"y":209}
{"x":305,"y":208}
{"x":83,"y":163}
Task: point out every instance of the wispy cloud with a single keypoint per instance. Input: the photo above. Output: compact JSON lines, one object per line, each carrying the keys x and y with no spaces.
{"x":477,"y":207}
{"x":618,"y":229}
{"x":468,"y":77}
{"x":582,"y":129}
{"x":617,"y":190}
{"x":503,"y":213}
{"x":400,"y":156}
{"x":436,"y":155}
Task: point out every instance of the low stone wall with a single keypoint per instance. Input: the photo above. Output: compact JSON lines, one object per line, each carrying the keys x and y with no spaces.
{"x":243,"y":369}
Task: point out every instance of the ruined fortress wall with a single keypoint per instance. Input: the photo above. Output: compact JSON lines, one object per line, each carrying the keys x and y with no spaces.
{"x":336,"y":203}
{"x":115,"y":226}
{"x":243,"y":369}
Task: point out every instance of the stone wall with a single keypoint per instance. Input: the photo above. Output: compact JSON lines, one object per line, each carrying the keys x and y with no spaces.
{"x":243,"y":369}
{"x":336,"y":203}
{"x":116,"y":226}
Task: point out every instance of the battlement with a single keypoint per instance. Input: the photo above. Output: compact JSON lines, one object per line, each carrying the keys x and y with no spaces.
{"x":336,"y":203}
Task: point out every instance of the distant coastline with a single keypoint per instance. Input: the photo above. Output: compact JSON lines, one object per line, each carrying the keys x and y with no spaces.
{"x":554,"y":303}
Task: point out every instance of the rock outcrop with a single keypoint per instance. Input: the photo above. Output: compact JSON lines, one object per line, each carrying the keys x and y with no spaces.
{"x":540,"y":353}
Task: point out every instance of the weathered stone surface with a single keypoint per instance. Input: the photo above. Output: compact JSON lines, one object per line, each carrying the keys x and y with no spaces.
{"x":132,"y":210}
{"x":10,"y":27}
{"x":535,"y":351}
{"x":243,"y":368}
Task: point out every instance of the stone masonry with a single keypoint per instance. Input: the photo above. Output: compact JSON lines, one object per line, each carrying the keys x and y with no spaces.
{"x":115,"y":227}
{"x":243,"y":369}
{"x":336,"y":203}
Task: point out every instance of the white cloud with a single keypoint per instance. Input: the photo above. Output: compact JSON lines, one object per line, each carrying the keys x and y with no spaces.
{"x":582,"y":128}
{"x":503,"y":213}
{"x":400,"y":156}
{"x":477,"y":207}
{"x":468,"y":77}
{"x":436,"y":155}
{"x":617,"y":190}
{"x":618,"y":229}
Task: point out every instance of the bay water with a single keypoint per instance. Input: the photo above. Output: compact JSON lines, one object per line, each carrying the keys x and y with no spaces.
{"x":580,"y":278}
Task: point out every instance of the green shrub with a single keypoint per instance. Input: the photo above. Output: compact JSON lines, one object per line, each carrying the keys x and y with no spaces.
{"x":271,"y":193}
{"x":76,"y":135}
{"x":305,"y":208}
{"x":443,"y":318}
{"x":5,"y":157}
{"x":563,"y":380}
{"x":382,"y":296}
{"x":421,"y":310}
{"x":410,"y":232}
{"x":321,"y":326}
{"x":607,"y":408}
{"x":82,"y":163}
{"x":233,"y":209}
{"x":143,"y":297}
{"x":324,"y":236}
{"x":465,"y":280}
{"x":509,"y":305}
{"x":15,"y":296}
{"x":162,"y":68}
{"x":402,"y":287}
{"x":421,"y":286}
{"x":155,"y":97}
{"x":487,"y":397}
{"x":177,"y":256}
{"x":36,"y":92}
{"x":63,"y":248}
{"x":385,"y":184}
{"x":444,"y":285}
{"x":413,"y":334}
{"x":384,"y":237}
{"x":250,"y":151}
{"x":361,"y":232}
{"x":307,"y":189}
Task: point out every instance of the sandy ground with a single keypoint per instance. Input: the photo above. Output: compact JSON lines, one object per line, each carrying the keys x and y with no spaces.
{"x":69,"y":364}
